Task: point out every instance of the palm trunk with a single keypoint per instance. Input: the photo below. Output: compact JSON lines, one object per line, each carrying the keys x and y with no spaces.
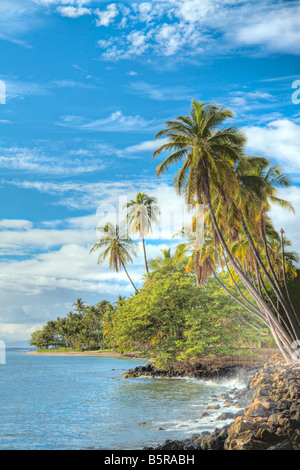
{"x":124,"y":267}
{"x":145,"y":257}
{"x":284,"y":273}
{"x":276,"y":289}
{"x":281,"y":337}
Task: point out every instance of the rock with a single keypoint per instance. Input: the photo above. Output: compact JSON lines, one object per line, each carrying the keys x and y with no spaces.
{"x":213,"y":407}
{"x":294,"y":391}
{"x":267,"y":436}
{"x":283,"y":405}
{"x":210,"y":442}
{"x":262,"y":391}
{"x":269,"y":420}
{"x":260,"y":408}
{"x":194,"y":437}
{"x":225,"y":396}
{"x":282,"y":446}
{"x":225,"y":416}
{"x":203,"y":415}
{"x":171,"y":445}
{"x":249,"y":444}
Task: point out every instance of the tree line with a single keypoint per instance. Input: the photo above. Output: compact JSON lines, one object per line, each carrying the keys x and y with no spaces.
{"x":170,"y":319}
{"x":242,"y":253}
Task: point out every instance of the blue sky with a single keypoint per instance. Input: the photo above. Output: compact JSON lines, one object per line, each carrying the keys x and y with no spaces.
{"x":88,"y":85}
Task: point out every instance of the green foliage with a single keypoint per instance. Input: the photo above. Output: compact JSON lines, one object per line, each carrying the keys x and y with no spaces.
{"x":81,"y":330}
{"x":173,"y":319}
{"x":170,"y":319}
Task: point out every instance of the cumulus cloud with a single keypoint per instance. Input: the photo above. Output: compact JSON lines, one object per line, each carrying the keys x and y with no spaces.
{"x":170,"y":27}
{"x":74,"y":12}
{"x":189,"y":26}
{"x":50,"y":264}
{"x":278,"y":140}
{"x":264,"y":31}
{"x":105,"y":17}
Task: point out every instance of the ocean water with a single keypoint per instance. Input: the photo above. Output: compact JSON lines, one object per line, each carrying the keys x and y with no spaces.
{"x":63,"y":402}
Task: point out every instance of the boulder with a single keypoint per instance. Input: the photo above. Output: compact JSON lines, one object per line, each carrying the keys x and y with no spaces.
{"x":225,"y":416}
{"x":259,"y":408}
{"x":248,"y":444}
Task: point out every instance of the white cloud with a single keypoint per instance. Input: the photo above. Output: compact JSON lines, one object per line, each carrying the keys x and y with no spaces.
{"x":76,"y":3}
{"x":278,"y":140}
{"x":37,"y":161}
{"x":115,"y":122}
{"x":50,"y":263}
{"x":283,"y":18}
{"x":170,"y":27}
{"x":106,"y":16}
{"x":20,"y":88}
{"x":147,"y":146}
{"x":17,"y":17}
{"x":15,"y":224}
{"x":73,"y":12}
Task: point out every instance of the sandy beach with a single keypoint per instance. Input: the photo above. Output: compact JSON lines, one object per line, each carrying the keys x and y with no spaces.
{"x":77,"y":353}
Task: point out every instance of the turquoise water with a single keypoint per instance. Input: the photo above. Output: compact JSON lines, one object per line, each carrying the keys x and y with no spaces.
{"x":61,"y":402}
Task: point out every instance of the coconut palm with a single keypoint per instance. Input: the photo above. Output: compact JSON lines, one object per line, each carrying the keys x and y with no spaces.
{"x":142,"y":214}
{"x":116,"y":247}
{"x":160,"y":260}
{"x":79,"y":306}
{"x":211,"y":175}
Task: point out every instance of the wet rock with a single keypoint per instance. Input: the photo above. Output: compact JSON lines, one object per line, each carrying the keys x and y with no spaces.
{"x":203,"y":415}
{"x":213,"y":407}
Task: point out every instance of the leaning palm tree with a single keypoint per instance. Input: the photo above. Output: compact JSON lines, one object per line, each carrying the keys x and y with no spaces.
{"x":116,"y":247}
{"x":142,"y":214}
{"x":211,"y":175}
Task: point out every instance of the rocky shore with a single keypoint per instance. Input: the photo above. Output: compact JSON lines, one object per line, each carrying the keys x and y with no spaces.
{"x":269,"y":421}
{"x":198,"y":371}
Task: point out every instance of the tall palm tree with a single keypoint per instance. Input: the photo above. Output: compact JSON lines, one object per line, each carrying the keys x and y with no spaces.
{"x":79,"y":306}
{"x":142,"y":214}
{"x":115,"y":246}
{"x":210,"y":174}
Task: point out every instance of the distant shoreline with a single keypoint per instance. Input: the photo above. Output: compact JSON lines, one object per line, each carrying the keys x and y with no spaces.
{"x":78,"y":353}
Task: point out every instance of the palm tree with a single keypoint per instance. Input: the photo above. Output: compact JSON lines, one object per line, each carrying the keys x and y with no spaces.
{"x":115,"y":246}
{"x":142,"y":213}
{"x":79,"y":306}
{"x":159,"y":261}
{"x":217,"y":174}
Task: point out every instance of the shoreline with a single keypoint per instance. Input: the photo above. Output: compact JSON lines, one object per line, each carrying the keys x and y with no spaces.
{"x":269,"y":420}
{"x":83,"y":354}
